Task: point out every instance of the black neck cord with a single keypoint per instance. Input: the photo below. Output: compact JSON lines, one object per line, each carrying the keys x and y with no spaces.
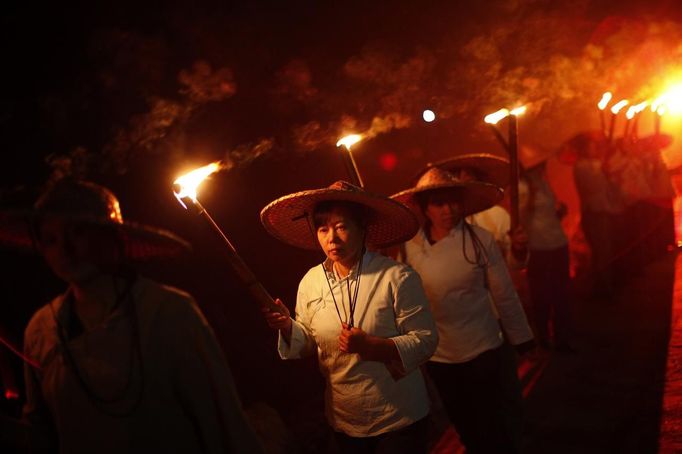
{"x":352,"y":298}
{"x":135,"y":348}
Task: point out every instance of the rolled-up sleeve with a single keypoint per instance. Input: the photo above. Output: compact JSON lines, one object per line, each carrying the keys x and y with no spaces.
{"x":419,"y":338}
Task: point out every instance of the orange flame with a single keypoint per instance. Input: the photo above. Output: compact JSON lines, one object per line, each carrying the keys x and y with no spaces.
{"x":672,"y":98}
{"x":656,"y":103}
{"x":349,"y":140}
{"x":187,"y":184}
{"x":495,"y":117}
{"x":619,"y":105}
{"x":517,"y":112}
{"x":634,"y":110}
{"x":605,"y":98}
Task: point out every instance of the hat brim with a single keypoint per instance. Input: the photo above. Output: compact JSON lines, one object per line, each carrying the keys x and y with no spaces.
{"x":495,"y":169}
{"x":142,"y":242}
{"x":475,"y":196}
{"x":289,"y":218}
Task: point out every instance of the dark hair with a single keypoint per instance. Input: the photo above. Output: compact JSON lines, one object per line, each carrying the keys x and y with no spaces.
{"x":423,"y":198}
{"x":358,"y":213}
{"x":480,"y":254}
{"x":478,"y":174}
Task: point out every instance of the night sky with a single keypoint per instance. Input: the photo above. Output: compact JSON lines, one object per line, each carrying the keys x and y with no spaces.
{"x":132,"y":94}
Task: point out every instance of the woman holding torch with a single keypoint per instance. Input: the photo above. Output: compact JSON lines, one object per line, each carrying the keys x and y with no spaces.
{"x":365,"y":315}
{"x":463,"y":270}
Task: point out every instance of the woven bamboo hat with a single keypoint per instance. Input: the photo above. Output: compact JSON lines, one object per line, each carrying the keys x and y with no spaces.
{"x":289,"y":218}
{"x":89,"y":203}
{"x":534,"y":155}
{"x":493,"y":169}
{"x":474,"y":196}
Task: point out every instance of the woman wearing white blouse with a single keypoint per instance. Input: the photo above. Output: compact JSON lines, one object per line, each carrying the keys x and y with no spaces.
{"x":365,"y":315}
{"x":462,"y":269}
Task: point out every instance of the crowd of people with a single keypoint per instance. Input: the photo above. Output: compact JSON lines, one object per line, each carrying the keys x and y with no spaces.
{"x":119,"y":363}
{"x":624,"y":182}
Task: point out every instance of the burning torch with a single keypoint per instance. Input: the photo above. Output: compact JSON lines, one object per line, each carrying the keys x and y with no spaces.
{"x":512,"y":147}
{"x":353,"y":173}
{"x":660,"y":111}
{"x":491,"y":120}
{"x":633,"y":112}
{"x":658,"y":108}
{"x":185,"y":189}
{"x":614,"y":113}
{"x":603,"y":102}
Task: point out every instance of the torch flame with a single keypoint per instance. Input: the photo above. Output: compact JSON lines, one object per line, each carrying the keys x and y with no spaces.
{"x":660,"y":110}
{"x":605,"y":98}
{"x":518,"y":111}
{"x":641,"y":106}
{"x":495,"y":117}
{"x":634,"y":110}
{"x":619,"y":105}
{"x":672,"y":99}
{"x":187,"y":184}
{"x":656,"y":103}
{"x":349,"y":140}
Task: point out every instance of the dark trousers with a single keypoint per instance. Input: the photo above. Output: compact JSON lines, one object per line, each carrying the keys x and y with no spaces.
{"x":408,"y":440}
{"x":655,"y":222}
{"x":483,"y":400}
{"x":600,"y":229}
{"x":549,"y":286}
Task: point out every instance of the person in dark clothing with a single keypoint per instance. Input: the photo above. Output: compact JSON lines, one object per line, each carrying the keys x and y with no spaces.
{"x":120,"y":363}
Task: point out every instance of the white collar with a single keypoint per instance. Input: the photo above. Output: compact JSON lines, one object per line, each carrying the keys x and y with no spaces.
{"x":328,"y":266}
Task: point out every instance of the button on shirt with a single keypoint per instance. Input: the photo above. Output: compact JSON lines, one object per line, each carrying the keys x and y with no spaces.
{"x":362,"y":397}
{"x":460,"y":294}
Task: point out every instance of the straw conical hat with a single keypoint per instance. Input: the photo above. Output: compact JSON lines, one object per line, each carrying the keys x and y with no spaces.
{"x":534,"y":155}
{"x":474,"y":196}
{"x":87,"y":202}
{"x":494,"y":169}
{"x":289,"y":218}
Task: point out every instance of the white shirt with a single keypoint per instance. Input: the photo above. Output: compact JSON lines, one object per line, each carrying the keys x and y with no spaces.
{"x":596,"y":192}
{"x":362,"y":397}
{"x":460,"y":292}
{"x":640,"y":174}
{"x":539,"y":216}
{"x":497,"y":221}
